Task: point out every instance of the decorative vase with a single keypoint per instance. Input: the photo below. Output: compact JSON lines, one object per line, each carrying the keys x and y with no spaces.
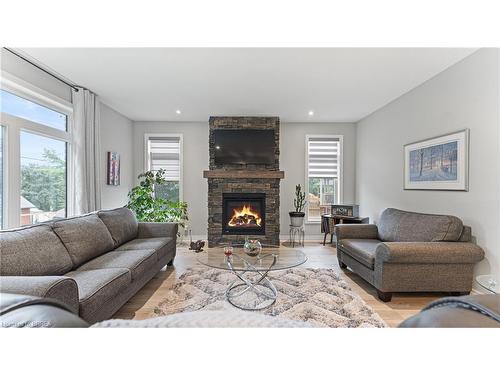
{"x":252,"y":247}
{"x":297,"y":219}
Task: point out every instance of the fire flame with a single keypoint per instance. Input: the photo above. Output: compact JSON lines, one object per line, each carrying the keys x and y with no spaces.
{"x":245,"y":217}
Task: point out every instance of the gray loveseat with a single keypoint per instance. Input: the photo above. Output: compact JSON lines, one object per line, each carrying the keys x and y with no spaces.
{"x":92,"y":263}
{"x":410,"y":252}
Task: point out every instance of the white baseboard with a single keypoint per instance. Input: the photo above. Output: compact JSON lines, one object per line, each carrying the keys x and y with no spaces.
{"x":307,"y":237}
{"x":283,"y":237}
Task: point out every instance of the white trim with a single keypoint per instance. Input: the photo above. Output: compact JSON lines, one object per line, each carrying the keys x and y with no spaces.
{"x":307,"y":237}
{"x":283,"y":238}
{"x":147,"y":162}
{"x":340,"y":172}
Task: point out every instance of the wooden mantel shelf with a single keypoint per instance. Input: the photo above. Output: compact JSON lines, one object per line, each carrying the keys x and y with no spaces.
{"x":222,"y":173}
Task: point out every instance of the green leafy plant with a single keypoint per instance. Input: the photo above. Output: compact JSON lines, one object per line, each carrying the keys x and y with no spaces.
{"x":148,"y":207}
{"x":299,"y":201}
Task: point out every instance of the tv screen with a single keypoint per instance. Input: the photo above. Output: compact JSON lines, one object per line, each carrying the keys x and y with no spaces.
{"x":244,"y":146}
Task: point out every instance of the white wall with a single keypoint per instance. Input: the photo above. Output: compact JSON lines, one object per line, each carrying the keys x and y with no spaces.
{"x":195,"y":154}
{"x":464,"y":96}
{"x":116,"y":135}
{"x":292,"y":161}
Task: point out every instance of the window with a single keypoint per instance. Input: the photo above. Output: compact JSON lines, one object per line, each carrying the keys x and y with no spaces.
{"x":23,"y":108}
{"x":43,"y":178}
{"x":36,"y":138}
{"x":323,"y":175}
{"x":164,"y":151}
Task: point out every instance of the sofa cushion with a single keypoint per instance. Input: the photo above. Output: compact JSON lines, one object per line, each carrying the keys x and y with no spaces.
{"x":85,"y":237}
{"x":363,"y":250}
{"x":33,"y":251}
{"x":137,"y":261}
{"x":121,"y":223}
{"x":161,"y":245}
{"x":402,"y":226}
{"x":97,"y":287}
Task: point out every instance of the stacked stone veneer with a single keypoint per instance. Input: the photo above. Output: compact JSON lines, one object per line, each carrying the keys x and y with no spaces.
{"x":218,"y":186}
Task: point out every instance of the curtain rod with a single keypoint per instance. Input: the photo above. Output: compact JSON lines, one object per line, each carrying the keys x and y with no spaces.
{"x":76,"y":88}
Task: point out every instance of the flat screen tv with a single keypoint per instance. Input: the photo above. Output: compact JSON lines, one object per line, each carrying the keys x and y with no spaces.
{"x":244,"y":146}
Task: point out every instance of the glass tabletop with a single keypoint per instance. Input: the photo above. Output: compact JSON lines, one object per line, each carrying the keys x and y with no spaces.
{"x":489,"y":282}
{"x":285,"y":258}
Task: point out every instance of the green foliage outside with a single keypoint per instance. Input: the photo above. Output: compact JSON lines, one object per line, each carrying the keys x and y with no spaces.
{"x":45,"y":185}
{"x":149,"y":206}
{"x":314,"y":186}
{"x":168,"y":190}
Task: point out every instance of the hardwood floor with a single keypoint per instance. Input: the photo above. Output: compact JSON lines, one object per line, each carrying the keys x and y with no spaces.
{"x":402,"y":306}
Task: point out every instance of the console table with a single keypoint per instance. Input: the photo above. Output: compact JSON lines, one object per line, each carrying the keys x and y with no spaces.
{"x":328,"y":222}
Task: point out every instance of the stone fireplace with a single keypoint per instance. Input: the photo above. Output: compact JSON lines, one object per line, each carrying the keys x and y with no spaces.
{"x":243,"y":200}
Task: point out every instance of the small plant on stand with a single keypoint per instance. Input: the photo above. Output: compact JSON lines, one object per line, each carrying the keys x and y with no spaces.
{"x":299,"y":202}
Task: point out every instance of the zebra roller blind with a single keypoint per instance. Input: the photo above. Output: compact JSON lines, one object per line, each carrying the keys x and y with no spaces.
{"x":164,"y":153}
{"x":323,"y":157}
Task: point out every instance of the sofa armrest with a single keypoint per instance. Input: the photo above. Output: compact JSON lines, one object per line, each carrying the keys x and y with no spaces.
{"x":148,"y":230}
{"x":61,"y":288}
{"x":428,"y":252}
{"x":365,"y":231}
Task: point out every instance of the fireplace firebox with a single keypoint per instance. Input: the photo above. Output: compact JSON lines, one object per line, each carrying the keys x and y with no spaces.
{"x":244,"y":213}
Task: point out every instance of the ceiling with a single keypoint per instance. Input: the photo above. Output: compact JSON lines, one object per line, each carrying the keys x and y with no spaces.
{"x":337,"y":84}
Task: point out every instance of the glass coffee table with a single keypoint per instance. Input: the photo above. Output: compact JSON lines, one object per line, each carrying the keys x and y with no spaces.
{"x":489,"y":282}
{"x":251,"y":288}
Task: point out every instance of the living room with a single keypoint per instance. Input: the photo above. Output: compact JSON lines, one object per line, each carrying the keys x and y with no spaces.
{"x":250,"y":187}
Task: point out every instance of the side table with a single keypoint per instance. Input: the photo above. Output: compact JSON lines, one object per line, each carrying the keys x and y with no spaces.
{"x":489,"y":282}
{"x":297,"y":232}
{"x":328,"y":222}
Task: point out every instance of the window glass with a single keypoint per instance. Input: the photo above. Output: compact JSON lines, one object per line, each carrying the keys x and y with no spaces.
{"x":43,"y":178}
{"x":16,"y":106}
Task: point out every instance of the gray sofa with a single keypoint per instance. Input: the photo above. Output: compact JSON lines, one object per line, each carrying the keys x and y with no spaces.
{"x":410,"y":252}
{"x":479,"y":311}
{"x":92,"y":263}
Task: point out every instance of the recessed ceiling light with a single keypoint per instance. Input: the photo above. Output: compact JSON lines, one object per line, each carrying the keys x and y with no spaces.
{"x":178,"y":111}
{"x":311,"y":113}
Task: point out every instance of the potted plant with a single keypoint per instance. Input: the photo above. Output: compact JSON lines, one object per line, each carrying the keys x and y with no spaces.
{"x":148,"y":207}
{"x":299,"y":202}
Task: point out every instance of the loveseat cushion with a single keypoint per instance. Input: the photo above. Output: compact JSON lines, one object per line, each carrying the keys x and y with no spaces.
{"x":161,"y":245}
{"x":85,"y":237}
{"x":121,"y":223}
{"x":403,"y":226}
{"x":97,"y":287}
{"x":33,"y":251}
{"x":363,"y":250}
{"x":137,"y":261}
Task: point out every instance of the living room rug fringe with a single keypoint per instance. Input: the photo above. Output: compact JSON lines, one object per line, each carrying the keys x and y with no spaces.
{"x":317,"y":296}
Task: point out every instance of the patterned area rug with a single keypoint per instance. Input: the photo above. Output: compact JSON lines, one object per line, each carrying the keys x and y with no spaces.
{"x":317,"y":296}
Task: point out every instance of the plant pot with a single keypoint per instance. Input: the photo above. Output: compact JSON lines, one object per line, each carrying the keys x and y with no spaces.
{"x":297,"y":218}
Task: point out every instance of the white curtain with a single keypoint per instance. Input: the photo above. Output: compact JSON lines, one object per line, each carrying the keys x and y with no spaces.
{"x":86,"y":152}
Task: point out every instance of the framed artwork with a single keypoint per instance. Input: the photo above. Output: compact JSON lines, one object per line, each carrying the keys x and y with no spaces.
{"x":440,"y":163}
{"x":113,"y":168}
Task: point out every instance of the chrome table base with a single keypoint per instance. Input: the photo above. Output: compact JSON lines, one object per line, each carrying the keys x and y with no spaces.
{"x":264,"y":291}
